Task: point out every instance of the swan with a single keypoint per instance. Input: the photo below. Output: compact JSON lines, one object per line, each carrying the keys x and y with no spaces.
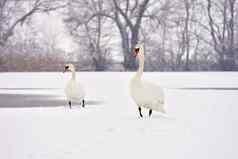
{"x":73,"y":90}
{"x":145,"y":94}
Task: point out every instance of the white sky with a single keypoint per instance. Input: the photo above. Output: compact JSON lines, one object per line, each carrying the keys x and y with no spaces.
{"x":52,"y":25}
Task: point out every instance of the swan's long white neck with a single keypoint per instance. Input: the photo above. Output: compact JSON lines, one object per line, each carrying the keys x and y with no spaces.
{"x":141,"y":64}
{"x":73,"y":75}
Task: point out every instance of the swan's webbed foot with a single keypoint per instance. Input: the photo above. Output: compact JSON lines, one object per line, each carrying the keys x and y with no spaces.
{"x":70,"y":106}
{"x":150,"y":112}
{"x":83,"y":103}
{"x":139,"y":108}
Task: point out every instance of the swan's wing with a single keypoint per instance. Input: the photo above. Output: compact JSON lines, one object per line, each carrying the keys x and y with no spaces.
{"x":74,"y":90}
{"x":146,"y":92}
{"x":153,"y":96}
{"x":152,"y":90}
{"x":148,"y":95}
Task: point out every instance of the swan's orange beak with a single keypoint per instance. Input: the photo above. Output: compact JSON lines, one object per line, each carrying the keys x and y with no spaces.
{"x":135,"y":51}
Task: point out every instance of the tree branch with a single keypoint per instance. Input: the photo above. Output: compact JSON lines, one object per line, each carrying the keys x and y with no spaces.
{"x":123,"y":14}
{"x":211,"y":24}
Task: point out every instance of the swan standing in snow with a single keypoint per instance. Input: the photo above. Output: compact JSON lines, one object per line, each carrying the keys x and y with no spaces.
{"x":145,"y":94}
{"x":73,"y":90}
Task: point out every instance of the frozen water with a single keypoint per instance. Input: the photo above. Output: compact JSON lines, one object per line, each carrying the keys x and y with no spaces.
{"x":201,"y":122}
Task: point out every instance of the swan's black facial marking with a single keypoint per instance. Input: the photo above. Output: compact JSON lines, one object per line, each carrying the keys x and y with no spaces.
{"x":66,"y":67}
{"x":136,"y":51}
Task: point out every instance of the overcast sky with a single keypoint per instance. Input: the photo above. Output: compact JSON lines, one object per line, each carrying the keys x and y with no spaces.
{"x":52,"y":25}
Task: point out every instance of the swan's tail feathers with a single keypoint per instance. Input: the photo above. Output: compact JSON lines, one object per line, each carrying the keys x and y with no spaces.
{"x":160,"y":107}
{"x":162,"y":110}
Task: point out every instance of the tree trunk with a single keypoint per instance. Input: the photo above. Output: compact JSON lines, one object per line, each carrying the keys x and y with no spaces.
{"x":186,"y":29}
{"x":123,"y":26}
{"x":231,"y":53}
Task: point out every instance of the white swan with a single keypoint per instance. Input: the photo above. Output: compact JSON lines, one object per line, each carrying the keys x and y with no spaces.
{"x":73,"y":90}
{"x":145,"y":94}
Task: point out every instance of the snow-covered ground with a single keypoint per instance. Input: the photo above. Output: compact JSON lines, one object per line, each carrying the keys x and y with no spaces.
{"x":201,"y":122}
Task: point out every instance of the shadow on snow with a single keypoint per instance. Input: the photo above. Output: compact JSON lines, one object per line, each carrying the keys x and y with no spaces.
{"x":31,"y":101}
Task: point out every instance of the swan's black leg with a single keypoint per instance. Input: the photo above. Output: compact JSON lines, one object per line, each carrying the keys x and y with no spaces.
{"x":139,"y":108}
{"x":70,"y":105}
{"x":83,"y":103}
{"x":150,"y":112}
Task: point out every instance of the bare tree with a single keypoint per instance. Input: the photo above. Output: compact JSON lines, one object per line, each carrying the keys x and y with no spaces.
{"x":86,"y":23}
{"x":178,"y":35}
{"x":186,"y":36}
{"x":222,"y":33}
{"x":128,"y":17}
{"x":15,"y":12}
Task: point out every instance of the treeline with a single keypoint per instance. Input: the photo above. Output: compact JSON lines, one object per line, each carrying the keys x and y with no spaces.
{"x":19,"y":60}
{"x":178,"y":35}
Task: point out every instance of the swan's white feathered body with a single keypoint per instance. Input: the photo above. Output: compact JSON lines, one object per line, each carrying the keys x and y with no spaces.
{"x":145,"y":94}
{"x":74,"y":91}
{"x":148,"y":95}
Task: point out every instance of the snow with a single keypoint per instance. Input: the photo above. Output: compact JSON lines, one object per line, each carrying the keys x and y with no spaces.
{"x":36,"y":123}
